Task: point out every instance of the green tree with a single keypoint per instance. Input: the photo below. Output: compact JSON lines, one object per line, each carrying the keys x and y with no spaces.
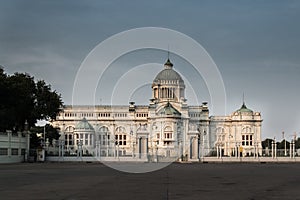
{"x":51,"y":133}
{"x":267,"y":143}
{"x":297,"y":143}
{"x":281,"y":145}
{"x":23,"y":99}
{"x":48,"y":103}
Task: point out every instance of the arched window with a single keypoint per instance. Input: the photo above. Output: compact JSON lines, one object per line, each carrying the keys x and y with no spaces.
{"x":104,"y":135}
{"x":168,"y":133}
{"x":220,"y":134}
{"x":69,"y":129}
{"x":120,"y":136}
{"x":247,"y":136}
{"x":69,"y":136}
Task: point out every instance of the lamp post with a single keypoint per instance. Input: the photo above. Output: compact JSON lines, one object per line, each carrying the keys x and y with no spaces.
{"x":275,"y":147}
{"x":79,"y":153}
{"x":293,"y":148}
{"x":202,"y":155}
{"x":43,"y":123}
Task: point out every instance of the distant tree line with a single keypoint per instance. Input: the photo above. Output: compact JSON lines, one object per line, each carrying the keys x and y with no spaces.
{"x":280,"y":145}
{"x":22,"y":99}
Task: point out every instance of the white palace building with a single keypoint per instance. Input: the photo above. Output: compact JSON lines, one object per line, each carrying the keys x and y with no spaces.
{"x":165,"y":129}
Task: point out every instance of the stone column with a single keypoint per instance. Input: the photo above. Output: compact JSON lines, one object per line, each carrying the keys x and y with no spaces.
{"x":235,"y":150}
{"x":195,"y":147}
{"x":98,"y":148}
{"x":254,"y":146}
{"x":147,"y":146}
{"x":273,"y":149}
{"x":140,"y":146}
{"x":293,"y":148}
{"x":238,"y":150}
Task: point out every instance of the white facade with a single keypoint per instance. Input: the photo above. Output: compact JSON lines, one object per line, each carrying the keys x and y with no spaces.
{"x":165,"y":129}
{"x":14,"y":147}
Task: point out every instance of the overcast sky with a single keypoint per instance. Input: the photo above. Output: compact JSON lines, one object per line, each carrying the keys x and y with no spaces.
{"x":255,"y":45}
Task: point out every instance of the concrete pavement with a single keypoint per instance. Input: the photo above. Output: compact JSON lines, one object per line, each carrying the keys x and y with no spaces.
{"x":71,"y":181}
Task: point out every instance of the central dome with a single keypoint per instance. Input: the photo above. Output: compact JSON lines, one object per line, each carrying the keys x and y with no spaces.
{"x":168,"y":74}
{"x":168,"y":85}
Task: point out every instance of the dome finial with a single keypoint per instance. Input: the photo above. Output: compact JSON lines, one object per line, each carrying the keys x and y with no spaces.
{"x":168,"y":53}
{"x":244,"y":105}
{"x":168,"y":64}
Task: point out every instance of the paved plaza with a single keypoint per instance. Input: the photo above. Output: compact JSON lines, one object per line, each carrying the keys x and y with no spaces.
{"x":71,"y":181}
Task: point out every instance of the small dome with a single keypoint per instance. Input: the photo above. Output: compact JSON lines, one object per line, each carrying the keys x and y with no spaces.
{"x":84,"y":125}
{"x":244,"y":109}
{"x":168,"y":74}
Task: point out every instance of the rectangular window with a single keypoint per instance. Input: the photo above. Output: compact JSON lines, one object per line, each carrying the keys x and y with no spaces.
{"x":3,"y":151}
{"x":66,"y":139}
{"x":14,"y":152}
{"x":124,"y":142}
{"x":243,"y":137}
{"x":70,"y":139}
{"x":86,"y":139}
{"x":124,"y":137}
{"x":91,"y":139}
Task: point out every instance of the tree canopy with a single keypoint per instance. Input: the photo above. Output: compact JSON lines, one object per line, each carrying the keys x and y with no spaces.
{"x":24,"y":99}
{"x":280,"y":145}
